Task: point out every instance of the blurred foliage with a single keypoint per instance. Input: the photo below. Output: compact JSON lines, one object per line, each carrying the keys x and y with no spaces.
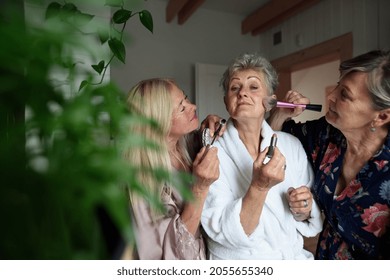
{"x":62,"y":176}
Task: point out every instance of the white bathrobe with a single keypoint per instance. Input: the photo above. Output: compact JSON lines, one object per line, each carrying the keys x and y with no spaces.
{"x":278,"y":235}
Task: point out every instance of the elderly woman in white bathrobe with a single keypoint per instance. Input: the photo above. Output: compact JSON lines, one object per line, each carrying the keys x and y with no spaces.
{"x":258,"y":208}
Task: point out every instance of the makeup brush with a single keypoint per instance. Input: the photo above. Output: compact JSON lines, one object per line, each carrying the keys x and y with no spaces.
{"x":311,"y":107}
{"x":269,"y":102}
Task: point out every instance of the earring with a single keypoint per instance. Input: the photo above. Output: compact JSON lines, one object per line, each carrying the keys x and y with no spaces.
{"x":372,"y":128}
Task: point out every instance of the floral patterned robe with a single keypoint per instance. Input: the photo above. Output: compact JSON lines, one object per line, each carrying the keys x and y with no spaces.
{"x":357,"y":221}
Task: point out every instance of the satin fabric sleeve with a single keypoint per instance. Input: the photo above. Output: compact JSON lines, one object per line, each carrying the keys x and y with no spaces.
{"x":166,"y":237}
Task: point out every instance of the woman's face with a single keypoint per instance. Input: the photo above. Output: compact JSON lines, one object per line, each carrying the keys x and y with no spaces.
{"x":184,"y":119}
{"x":245,"y":95}
{"x":350,"y":104}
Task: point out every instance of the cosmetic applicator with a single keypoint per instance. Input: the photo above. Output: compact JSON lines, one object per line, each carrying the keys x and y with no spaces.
{"x":311,"y":107}
{"x":270,"y":102}
{"x":222,"y":122}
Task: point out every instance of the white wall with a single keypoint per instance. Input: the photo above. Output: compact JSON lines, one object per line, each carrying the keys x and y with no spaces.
{"x":312,"y":82}
{"x":384,"y":24}
{"x":215,"y":38}
{"x":172,"y":50}
{"x":368,"y":20}
{"x":87,"y":52}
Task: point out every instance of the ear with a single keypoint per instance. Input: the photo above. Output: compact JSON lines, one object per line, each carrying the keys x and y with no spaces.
{"x":383,"y":117}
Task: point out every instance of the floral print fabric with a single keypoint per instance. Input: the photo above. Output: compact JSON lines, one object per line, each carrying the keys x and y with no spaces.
{"x":357,"y":221}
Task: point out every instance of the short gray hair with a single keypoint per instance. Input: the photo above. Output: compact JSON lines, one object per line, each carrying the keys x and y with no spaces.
{"x":251,"y":61}
{"x":377,"y":66}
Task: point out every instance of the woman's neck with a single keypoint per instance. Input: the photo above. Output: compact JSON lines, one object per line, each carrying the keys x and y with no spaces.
{"x":172,"y":144}
{"x":360,"y":149}
{"x":177,"y":161}
{"x":250,"y":135}
{"x":366,"y":145}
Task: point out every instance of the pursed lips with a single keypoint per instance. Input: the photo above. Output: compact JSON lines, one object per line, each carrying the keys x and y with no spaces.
{"x":242,"y":103}
{"x":194,"y":117}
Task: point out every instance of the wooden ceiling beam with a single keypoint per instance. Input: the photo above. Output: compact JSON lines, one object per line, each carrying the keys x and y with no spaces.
{"x":173,"y":8}
{"x":283,"y":17}
{"x":273,"y":13}
{"x":189,"y":8}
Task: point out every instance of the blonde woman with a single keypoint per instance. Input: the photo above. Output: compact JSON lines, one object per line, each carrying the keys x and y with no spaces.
{"x":174,"y":233}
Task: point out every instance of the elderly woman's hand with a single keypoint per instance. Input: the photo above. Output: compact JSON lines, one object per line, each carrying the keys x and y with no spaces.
{"x":265,"y":176}
{"x":300,"y":201}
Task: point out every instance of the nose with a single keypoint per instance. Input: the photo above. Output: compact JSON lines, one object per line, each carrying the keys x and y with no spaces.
{"x":242,"y":92}
{"x":193,"y":106}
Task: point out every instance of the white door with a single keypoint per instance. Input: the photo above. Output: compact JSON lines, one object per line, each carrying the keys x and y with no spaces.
{"x":208,"y":93}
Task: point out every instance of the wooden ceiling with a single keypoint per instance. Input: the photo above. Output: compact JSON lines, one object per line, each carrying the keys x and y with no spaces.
{"x":268,"y":15}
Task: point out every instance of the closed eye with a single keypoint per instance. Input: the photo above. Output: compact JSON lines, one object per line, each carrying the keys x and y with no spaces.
{"x":343,"y":94}
{"x":182,"y":103}
{"x":235,"y":88}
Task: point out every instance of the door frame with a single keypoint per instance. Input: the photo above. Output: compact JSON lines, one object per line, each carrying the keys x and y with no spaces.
{"x":338,"y":48}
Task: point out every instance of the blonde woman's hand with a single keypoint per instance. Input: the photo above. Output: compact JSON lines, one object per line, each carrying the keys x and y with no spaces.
{"x":206,"y":167}
{"x":212,"y":122}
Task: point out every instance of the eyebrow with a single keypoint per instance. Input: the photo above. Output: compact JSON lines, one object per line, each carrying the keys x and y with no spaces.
{"x":348,"y":92}
{"x":345,"y":86}
{"x":235,"y":78}
{"x":254,"y":77}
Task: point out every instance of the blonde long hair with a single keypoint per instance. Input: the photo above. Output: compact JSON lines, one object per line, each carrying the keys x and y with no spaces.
{"x":152,"y":99}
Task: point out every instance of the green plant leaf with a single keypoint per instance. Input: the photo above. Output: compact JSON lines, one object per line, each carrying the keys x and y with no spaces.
{"x":103,"y":35}
{"x":98,"y":67}
{"x":118,"y":49}
{"x":146,"y":19}
{"x":73,"y":168}
{"x":114,"y":3}
{"x":121,"y":16}
{"x":53,"y":10}
{"x":68,"y":11}
{"x":83,"y":84}
{"x":70,"y":8}
{"x":82,"y":18}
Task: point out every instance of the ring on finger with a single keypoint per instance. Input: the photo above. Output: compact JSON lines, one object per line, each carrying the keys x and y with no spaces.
{"x":305,"y":203}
